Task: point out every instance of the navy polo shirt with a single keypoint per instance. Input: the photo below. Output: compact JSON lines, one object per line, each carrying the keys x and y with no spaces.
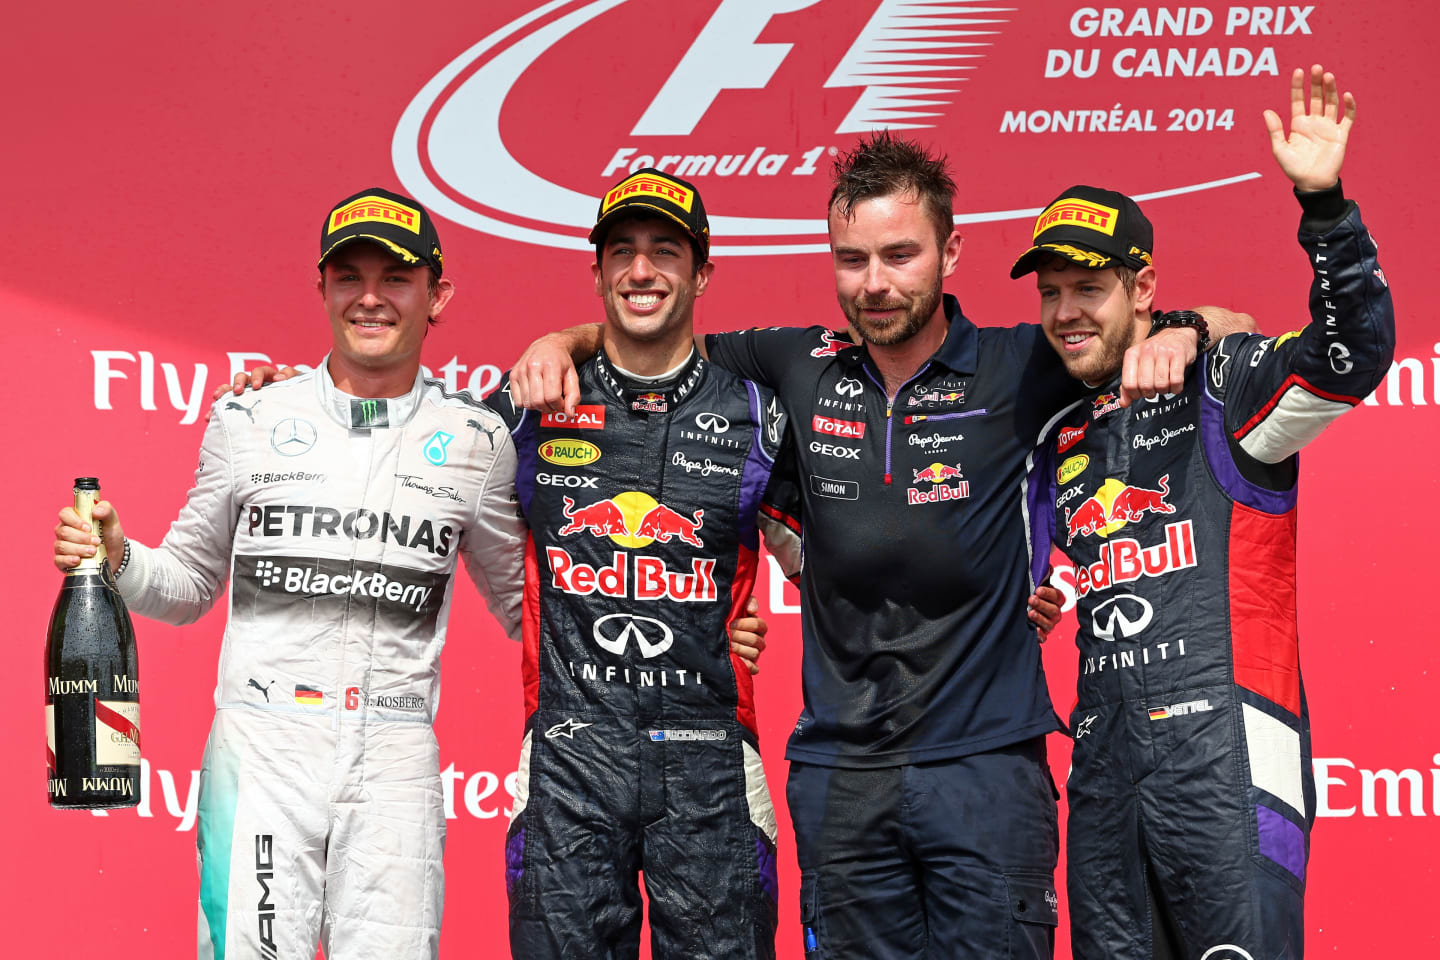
{"x":916,"y":642}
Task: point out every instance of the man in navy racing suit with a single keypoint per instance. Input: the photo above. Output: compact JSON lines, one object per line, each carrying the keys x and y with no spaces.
{"x":1191,"y":794}
{"x":644,"y":503}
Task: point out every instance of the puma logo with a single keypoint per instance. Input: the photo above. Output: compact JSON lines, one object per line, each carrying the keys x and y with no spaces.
{"x":265,"y":689}
{"x":489,"y":434}
{"x":232,"y":405}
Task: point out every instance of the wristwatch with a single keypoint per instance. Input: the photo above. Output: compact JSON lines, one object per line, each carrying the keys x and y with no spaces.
{"x":1183,"y":318}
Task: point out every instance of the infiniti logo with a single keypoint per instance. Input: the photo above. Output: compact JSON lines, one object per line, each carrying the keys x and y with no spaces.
{"x":849,"y":387}
{"x":1126,"y":613}
{"x":614,"y":633}
{"x":712,"y":422}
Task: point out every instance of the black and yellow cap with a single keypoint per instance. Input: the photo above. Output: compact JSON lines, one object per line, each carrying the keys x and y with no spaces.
{"x":1093,"y":227}
{"x":650,"y":191}
{"x":379,"y":216}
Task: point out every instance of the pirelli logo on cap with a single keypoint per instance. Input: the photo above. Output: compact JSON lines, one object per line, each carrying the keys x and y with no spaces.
{"x":647,"y":184}
{"x":375,"y":210}
{"x":1080,"y":213}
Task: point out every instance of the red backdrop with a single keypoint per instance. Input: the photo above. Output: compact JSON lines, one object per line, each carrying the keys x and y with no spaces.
{"x":167,"y":167}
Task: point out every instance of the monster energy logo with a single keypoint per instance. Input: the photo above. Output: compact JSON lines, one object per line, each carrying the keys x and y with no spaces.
{"x":365,"y":414}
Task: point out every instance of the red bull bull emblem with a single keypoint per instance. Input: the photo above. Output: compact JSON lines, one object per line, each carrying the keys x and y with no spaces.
{"x":831,"y":343}
{"x":1126,"y":504}
{"x":1105,"y":403}
{"x":649,"y":403}
{"x":612,"y":518}
{"x":937,"y":474}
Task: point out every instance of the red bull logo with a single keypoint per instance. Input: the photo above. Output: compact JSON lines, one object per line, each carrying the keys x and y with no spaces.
{"x":831,"y":343}
{"x":632,"y":519}
{"x":1125,"y":560}
{"x":937,"y":474}
{"x":649,"y":403}
{"x":1114,"y":505}
{"x":1105,"y":403}
{"x":648,"y":578}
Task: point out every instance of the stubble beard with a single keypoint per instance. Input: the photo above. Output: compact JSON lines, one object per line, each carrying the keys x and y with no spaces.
{"x":888,"y":333}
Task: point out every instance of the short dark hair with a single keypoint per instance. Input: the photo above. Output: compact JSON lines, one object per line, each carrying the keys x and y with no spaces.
{"x":883,"y":165}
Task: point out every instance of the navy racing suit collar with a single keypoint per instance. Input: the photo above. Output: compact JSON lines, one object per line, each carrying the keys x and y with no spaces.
{"x":650,"y":396}
{"x":959,"y":352}
{"x":361,"y":413}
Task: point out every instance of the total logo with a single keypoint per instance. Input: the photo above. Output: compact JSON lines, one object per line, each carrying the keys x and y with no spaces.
{"x":585,"y":417}
{"x":746,"y":119}
{"x":1113,"y":506}
{"x":632,"y":519}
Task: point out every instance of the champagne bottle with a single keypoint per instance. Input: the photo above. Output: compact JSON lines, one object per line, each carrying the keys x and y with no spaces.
{"x":92,"y":697}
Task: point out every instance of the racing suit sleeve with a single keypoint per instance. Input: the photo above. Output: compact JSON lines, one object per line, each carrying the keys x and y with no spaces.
{"x":1281,"y":392}
{"x":765,"y":354}
{"x":779,"y":518}
{"x":493,"y":549}
{"x":181,"y":579}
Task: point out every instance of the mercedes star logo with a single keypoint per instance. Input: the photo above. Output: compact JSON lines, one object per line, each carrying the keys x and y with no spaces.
{"x":712,"y":422}
{"x":1127,"y":614}
{"x":613,"y":633}
{"x":292,"y":437}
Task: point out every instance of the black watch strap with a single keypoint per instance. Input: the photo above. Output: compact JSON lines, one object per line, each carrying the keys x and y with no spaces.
{"x":1183,"y":318}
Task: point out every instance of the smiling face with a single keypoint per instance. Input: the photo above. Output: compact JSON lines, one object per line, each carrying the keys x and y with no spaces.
{"x":379,"y":308}
{"x":646,"y":276}
{"x":1090,"y":318}
{"x":889,"y":267}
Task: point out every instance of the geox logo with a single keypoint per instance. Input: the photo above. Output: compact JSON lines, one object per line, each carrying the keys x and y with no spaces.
{"x":265,"y":909}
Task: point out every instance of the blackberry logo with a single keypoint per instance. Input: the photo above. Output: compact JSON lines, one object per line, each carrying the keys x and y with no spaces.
{"x":285,"y":477}
{"x":268,"y":573}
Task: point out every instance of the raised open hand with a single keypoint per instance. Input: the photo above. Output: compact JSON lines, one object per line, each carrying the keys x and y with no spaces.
{"x":1313,"y":153}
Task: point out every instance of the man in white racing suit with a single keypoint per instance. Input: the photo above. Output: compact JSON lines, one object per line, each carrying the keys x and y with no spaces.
{"x":338,"y":502}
